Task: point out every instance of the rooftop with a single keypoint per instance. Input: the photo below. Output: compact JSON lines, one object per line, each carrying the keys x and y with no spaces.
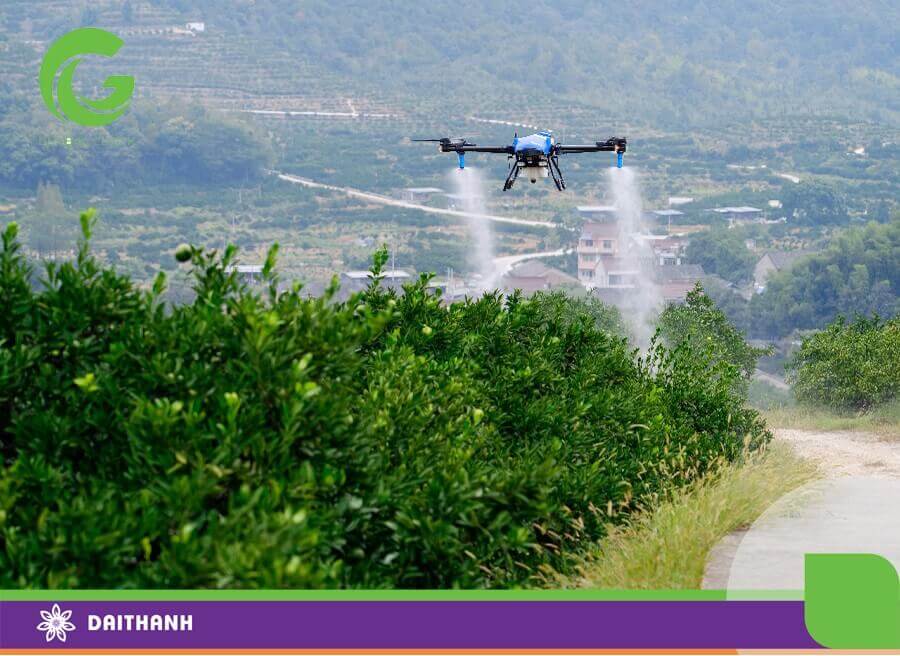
{"x":668,"y":213}
{"x":743,"y":209}
{"x":597,"y":230}
{"x":682,"y":273}
{"x":596,"y":208}
{"x":536,"y":268}
{"x":782,"y":259}
{"x":424,"y":190}
{"x":363,"y":275}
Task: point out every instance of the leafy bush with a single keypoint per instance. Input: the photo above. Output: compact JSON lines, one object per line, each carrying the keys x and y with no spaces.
{"x":273,"y":440}
{"x":703,"y":329}
{"x":723,"y":252}
{"x":849,"y":366}
{"x":856,"y":274}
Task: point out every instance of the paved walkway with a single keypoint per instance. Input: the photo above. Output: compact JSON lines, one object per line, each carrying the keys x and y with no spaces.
{"x":854,"y":508}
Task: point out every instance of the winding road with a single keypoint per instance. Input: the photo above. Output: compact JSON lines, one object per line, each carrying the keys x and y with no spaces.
{"x":393,"y":202}
{"x":848,"y":510}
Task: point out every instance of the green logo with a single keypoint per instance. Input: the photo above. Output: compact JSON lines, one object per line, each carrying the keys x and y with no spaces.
{"x":67,"y":50}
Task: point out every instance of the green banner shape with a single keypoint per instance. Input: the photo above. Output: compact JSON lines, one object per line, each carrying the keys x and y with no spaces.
{"x":852,"y":601}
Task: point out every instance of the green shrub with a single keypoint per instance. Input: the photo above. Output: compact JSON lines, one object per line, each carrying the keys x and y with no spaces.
{"x":269,"y":439}
{"x":703,"y":329}
{"x":849,"y":366}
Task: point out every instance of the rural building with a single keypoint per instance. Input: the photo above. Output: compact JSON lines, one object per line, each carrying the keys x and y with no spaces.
{"x":196,"y":26}
{"x":534,"y":276}
{"x":771,"y":262}
{"x":676,"y":281}
{"x":602,"y":213}
{"x":668,"y":250}
{"x":741,"y":214}
{"x":247,"y":273}
{"x":356,"y":281}
{"x":597,"y":241}
{"x":666,"y":215}
{"x":419,"y":194}
{"x":462,"y":201}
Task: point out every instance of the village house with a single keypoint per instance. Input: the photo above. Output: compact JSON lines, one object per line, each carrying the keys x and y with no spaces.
{"x":597,"y":213}
{"x":597,"y":241}
{"x":741,"y":214}
{"x":247,"y":273}
{"x":772,"y":262}
{"x":357,"y":281}
{"x":533,"y":276}
{"x":419,"y":194}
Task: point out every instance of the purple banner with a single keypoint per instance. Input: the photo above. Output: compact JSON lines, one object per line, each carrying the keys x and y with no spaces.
{"x":404,"y":625}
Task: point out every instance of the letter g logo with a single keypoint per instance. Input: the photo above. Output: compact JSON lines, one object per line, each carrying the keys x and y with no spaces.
{"x":78,"y":109}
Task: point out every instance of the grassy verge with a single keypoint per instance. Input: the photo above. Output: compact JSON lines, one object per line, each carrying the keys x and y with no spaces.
{"x":667,"y":548}
{"x":884,"y":419}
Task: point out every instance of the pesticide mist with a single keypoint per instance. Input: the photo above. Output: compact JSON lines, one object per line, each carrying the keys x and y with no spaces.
{"x":645,"y":302}
{"x":469,"y":188}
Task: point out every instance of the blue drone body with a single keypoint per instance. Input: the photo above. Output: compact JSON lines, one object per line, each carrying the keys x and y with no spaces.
{"x":537,"y":155}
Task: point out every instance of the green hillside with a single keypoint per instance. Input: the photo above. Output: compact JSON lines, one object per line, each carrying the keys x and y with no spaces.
{"x":672,"y":64}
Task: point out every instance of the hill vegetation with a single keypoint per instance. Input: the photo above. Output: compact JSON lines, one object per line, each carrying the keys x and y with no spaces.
{"x":669,"y":64}
{"x":856,"y":274}
{"x":271,"y":439}
{"x":849,"y":366}
{"x":164,"y":145}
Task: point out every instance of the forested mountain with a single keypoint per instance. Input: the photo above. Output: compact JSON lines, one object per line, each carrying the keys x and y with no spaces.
{"x":660,"y":61}
{"x":667,"y":63}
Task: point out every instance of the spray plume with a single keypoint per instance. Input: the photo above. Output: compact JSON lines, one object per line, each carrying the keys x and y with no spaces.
{"x":469,"y":187}
{"x":644,"y":302}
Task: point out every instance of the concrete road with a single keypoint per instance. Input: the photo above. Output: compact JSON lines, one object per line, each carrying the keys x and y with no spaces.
{"x":854,"y":508}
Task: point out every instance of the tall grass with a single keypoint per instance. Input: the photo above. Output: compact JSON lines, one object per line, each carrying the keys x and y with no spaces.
{"x":667,"y":547}
{"x":883,"y":419}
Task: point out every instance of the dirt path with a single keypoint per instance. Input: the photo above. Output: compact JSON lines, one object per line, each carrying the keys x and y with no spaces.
{"x":845,"y":453}
{"x":859,"y":491}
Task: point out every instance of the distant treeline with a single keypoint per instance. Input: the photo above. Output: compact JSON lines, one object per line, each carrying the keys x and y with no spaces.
{"x":169,"y":144}
{"x":672,"y":63}
{"x":857,"y":274}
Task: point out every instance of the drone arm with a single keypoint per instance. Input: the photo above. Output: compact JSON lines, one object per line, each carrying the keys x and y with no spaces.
{"x":506,"y":150}
{"x":615,"y":144}
{"x":582,"y":148}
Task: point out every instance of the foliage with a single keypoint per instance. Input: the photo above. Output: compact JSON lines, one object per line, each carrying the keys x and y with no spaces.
{"x":723,"y":252}
{"x":856,"y":274}
{"x":568,"y":308}
{"x":47,"y":230}
{"x":705,"y":330}
{"x":814,"y":203}
{"x":676,"y":63}
{"x":849,"y":365}
{"x":167,"y":144}
{"x":765,"y":396}
{"x":275,"y":440}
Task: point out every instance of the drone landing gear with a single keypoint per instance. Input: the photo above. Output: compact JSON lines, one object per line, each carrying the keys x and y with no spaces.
{"x":556,"y":172}
{"x":511,"y":178}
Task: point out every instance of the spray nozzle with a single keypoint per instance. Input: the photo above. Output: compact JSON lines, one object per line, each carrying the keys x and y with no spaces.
{"x":620,"y":157}
{"x":462,"y":159}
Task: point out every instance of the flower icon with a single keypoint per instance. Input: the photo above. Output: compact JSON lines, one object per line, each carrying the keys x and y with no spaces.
{"x":56,"y":623}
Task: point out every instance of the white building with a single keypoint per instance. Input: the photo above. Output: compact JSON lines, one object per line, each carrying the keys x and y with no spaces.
{"x":418,"y":194}
{"x":740,"y":214}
